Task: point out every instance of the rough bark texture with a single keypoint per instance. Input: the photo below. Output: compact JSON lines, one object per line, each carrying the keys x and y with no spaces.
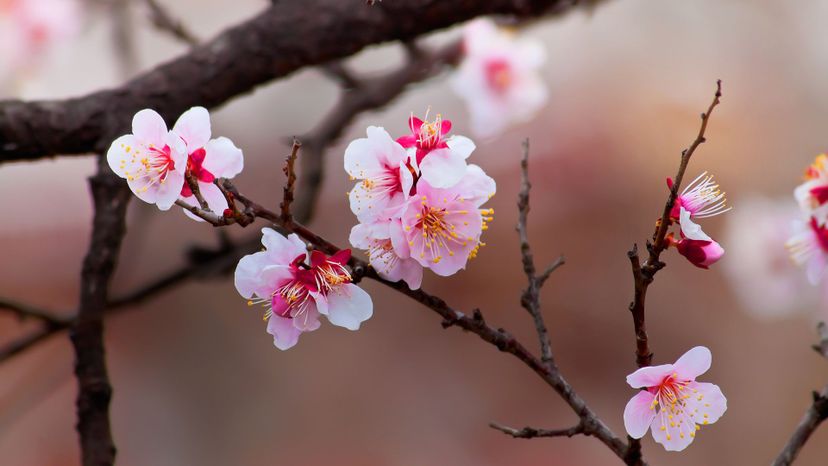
{"x":284,"y":38}
{"x":111,"y":197}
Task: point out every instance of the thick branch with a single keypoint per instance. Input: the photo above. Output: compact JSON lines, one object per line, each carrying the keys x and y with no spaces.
{"x":816,"y":414}
{"x":282,"y":39}
{"x":111,"y":197}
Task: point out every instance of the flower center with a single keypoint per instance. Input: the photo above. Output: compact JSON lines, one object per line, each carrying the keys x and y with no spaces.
{"x":387,"y":183}
{"x":438,"y":233}
{"x":671,"y":400}
{"x":821,"y":233}
{"x":702,"y":198}
{"x":195,"y":166}
{"x":382,"y":254}
{"x":431,"y":134}
{"x":329,"y":275}
{"x":152,"y":168}
{"x":498,"y":74}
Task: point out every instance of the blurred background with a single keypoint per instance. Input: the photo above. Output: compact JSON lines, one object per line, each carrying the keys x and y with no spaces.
{"x":197,"y":380}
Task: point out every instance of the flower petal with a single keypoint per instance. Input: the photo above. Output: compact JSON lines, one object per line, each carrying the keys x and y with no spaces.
{"x":674,"y":432}
{"x":693,"y":363}
{"x":223,"y":159}
{"x":349,"y":306}
{"x":650,"y":376}
{"x":443,"y":168}
{"x":461,"y":146}
{"x":280,"y":249}
{"x":639,"y":414}
{"x":707,"y":403}
{"x":193,"y":126}
{"x":689,"y":228}
{"x":149,"y":128}
{"x":285,"y":335}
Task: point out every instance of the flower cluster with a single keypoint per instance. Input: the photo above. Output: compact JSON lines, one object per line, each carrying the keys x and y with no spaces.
{"x":155,"y":161}
{"x":700,"y":199}
{"x":417,"y":200}
{"x":809,"y":244}
{"x":499,"y":77}
{"x":671,"y":404}
{"x":296,"y":287}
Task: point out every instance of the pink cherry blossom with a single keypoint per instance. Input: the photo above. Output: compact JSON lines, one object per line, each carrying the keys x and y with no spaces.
{"x":379,"y":239}
{"x":29,"y":27}
{"x":440,"y":158}
{"x":208,"y":159}
{"x":382,"y":166}
{"x":764,"y":278}
{"x":499,"y":77}
{"x":296,"y":288}
{"x":151,"y":159}
{"x":699,"y":248}
{"x":672,"y":405}
{"x":442,"y":226}
{"x":702,"y":198}
{"x":812,"y":195}
{"x":809,"y":248}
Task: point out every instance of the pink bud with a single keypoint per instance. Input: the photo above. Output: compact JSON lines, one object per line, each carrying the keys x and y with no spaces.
{"x":699,"y":252}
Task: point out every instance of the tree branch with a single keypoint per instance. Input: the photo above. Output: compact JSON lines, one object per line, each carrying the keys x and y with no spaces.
{"x":111,"y":197}
{"x":531,"y":432}
{"x":816,"y":414}
{"x":164,"y":21}
{"x":277,"y":42}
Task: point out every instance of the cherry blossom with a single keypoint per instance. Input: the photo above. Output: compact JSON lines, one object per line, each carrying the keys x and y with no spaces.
{"x":702,"y":198}
{"x":499,"y":77}
{"x":812,"y":195}
{"x":699,"y":248}
{"x":809,"y":248}
{"x":442,"y":227}
{"x":296,"y":287}
{"x":208,"y":159}
{"x":381,"y":165}
{"x":28,"y":27}
{"x":376,"y":239}
{"x":440,"y":158}
{"x":151,"y":159}
{"x":672,"y":404}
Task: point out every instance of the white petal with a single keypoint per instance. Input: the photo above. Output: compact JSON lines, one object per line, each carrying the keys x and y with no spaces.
{"x":149,"y":128}
{"x":690,"y":229}
{"x":193,"y":126}
{"x":442,"y":168}
{"x":223,"y":158}
{"x":349,"y":306}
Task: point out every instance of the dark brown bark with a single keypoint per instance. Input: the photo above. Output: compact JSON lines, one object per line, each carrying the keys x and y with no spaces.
{"x":282,"y":39}
{"x":111,"y":196}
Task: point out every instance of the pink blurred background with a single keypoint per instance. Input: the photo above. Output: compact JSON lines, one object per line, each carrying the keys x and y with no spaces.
{"x":197,"y":380}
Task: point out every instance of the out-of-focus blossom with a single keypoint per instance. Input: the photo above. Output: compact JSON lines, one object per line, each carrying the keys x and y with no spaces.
{"x":812,"y":195}
{"x":375,"y":238}
{"x":499,"y":77}
{"x":208,"y":159}
{"x":695,"y":245}
{"x":151,"y":159}
{"x":440,"y":158}
{"x":672,"y":404}
{"x":763,"y":276}
{"x":380,"y":164}
{"x":29,"y":27}
{"x":296,"y":287}
{"x":809,"y":248}
{"x":702,"y":198}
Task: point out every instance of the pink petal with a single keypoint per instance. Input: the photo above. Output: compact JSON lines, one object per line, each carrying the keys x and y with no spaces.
{"x":193,"y":126}
{"x":639,"y":414}
{"x":693,"y":363}
{"x":707,"y":403}
{"x":674,"y":434}
{"x":476,"y":186}
{"x":285,"y":335}
{"x":349,"y":306}
{"x":442,"y":168}
{"x":651,"y":376}
{"x":149,"y":128}
{"x":223,"y":159}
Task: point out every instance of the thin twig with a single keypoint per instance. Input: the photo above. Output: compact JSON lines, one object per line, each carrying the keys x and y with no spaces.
{"x":816,"y":414}
{"x":532,"y":432}
{"x":290,"y":176}
{"x":163,"y":20}
{"x":24,"y":311}
{"x":530,"y":299}
{"x":643,"y":273}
